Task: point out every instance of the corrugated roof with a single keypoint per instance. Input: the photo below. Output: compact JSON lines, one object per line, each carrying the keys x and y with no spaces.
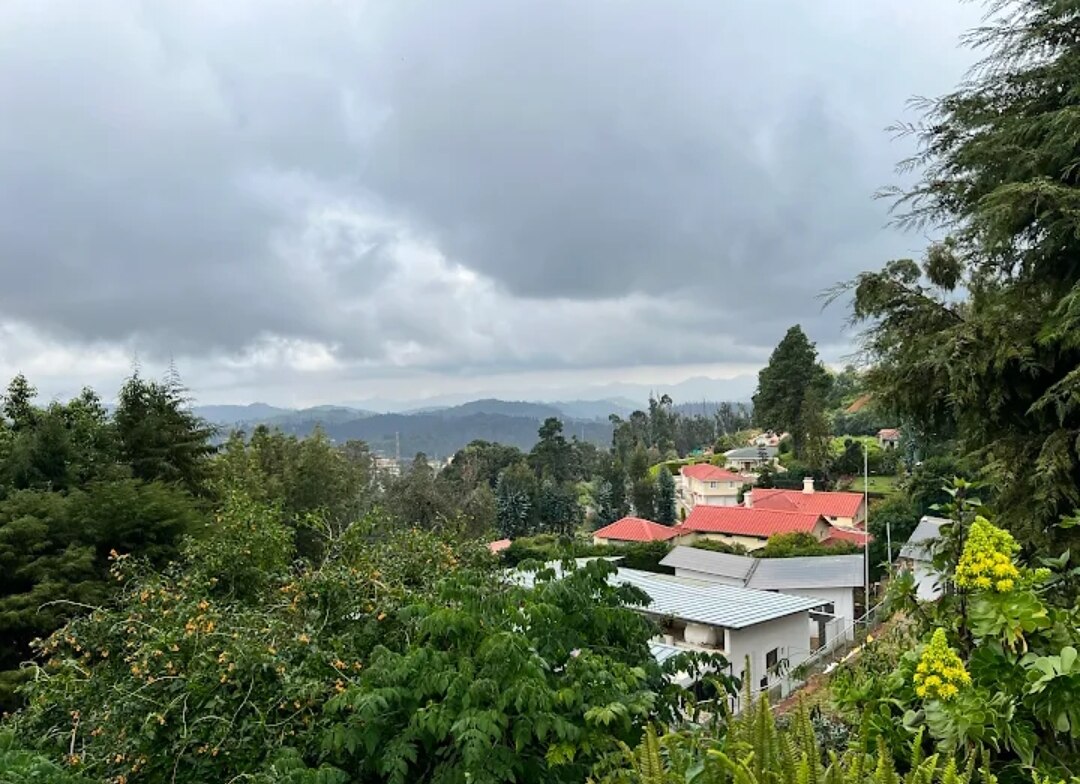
{"x":737,"y":567}
{"x":710,"y":603}
{"x":928,"y":529}
{"x":636,"y":529}
{"x":700,"y":601}
{"x":740,"y":521}
{"x":822,"y":571}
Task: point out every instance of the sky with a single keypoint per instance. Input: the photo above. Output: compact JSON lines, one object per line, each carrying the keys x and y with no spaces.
{"x":322,"y":202}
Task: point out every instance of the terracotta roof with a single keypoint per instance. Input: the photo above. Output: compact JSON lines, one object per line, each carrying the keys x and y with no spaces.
{"x":635,"y":529}
{"x":704,"y":472}
{"x":740,"y":521}
{"x":846,"y":535}
{"x":498,"y":544}
{"x":888,"y":432}
{"x":819,"y":502}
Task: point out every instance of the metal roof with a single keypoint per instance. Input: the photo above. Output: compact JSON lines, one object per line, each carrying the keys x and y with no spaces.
{"x":820,"y":571}
{"x":928,"y":529}
{"x":714,"y":604}
{"x":700,"y":601}
{"x":824,"y":571}
{"x":737,"y":567}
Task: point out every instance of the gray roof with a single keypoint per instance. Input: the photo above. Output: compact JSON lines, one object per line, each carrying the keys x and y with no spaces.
{"x":750,"y":452}
{"x":824,"y":571}
{"x":714,"y":604}
{"x":819,"y":571}
{"x":700,"y":601}
{"x":737,"y":567}
{"x":928,"y":529}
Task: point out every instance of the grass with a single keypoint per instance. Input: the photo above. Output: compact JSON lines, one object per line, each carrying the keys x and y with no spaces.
{"x":882,"y":485}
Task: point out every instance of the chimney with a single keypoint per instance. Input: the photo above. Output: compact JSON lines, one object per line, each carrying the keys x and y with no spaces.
{"x":748,"y":499}
{"x":808,"y":484}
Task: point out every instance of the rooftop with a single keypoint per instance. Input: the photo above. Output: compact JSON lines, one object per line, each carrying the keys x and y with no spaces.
{"x":755,"y":522}
{"x":705,"y":472}
{"x":498,"y":545}
{"x":830,"y":504}
{"x":636,"y":529}
{"x":751,"y":452}
{"x":928,"y":529}
{"x":826,"y":571}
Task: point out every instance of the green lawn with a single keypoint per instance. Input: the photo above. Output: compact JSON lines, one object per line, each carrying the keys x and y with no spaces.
{"x":885,"y":485}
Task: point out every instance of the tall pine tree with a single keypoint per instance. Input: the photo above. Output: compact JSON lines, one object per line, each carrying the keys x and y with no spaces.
{"x":791,"y":379}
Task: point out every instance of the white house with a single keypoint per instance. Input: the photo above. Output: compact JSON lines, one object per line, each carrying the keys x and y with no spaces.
{"x":706,"y":485}
{"x":915,"y":557}
{"x":701,"y":615}
{"x":830,"y":578}
{"x":751,"y":458}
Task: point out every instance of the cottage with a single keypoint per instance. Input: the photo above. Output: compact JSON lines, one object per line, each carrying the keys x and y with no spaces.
{"x":915,"y":557}
{"x":845,"y":510}
{"x":832,"y":578}
{"x":888,"y":438}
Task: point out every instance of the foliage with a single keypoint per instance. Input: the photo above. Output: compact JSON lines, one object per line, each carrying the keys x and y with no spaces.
{"x":514,"y":492}
{"x":801,"y":544}
{"x":892,"y":519}
{"x":791,"y":394}
{"x":547,"y":548}
{"x":665,"y":498}
{"x":940,"y":674}
{"x":717,"y":546}
{"x":980,"y":340}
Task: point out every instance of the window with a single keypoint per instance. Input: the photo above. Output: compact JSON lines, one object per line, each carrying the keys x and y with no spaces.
{"x":771,"y":659}
{"x":829,"y":608}
{"x":712,"y":485}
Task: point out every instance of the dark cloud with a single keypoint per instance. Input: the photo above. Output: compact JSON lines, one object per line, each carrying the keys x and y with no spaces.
{"x":467,"y":186}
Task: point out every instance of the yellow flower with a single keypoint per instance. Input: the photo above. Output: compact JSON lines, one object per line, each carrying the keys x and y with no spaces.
{"x":940,"y":673}
{"x":986,"y":563}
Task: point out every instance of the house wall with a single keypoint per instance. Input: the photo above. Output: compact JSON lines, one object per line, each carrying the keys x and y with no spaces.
{"x":821,"y":530}
{"x":843,"y":600}
{"x":788,"y":634}
{"x":926,"y":580}
{"x":749,"y":542}
{"x":706,"y":576}
{"x":699,"y":493}
{"x":699,"y":634}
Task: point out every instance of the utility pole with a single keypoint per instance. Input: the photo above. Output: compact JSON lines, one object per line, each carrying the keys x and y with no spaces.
{"x":866,"y":527}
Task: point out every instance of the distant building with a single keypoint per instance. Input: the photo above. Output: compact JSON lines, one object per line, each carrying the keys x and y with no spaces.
{"x":749,"y":459}
{"x":846,"y":510}
{"x":703,"y":484}
{"x":915,"y":557}
{"x":888,"y":438}
{"x":388,"y":465}
{"x":499,"y":545}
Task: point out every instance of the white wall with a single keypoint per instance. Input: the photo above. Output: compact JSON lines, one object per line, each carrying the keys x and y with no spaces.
{"x":699,"y":634}
{"x":926,"y":580}
{"x":843,"y":600}
{"x":788,"y":634}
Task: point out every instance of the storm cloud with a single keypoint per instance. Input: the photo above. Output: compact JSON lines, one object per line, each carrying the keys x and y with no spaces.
{"x":314,"y":195}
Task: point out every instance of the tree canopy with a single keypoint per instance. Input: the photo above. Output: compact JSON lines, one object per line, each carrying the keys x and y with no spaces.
{"x":791,"y":393}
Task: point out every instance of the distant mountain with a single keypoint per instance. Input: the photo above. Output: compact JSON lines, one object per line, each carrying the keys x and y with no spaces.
{"x":438,"y":435}
{"x":509,"y":408}
{"x":596,"y":409}
{"x":227,"y":415}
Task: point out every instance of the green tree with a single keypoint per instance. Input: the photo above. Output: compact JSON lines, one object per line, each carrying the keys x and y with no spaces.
{"x":418,"y":498}
{"x":552,"y":457}
{"x":514,"y":508}
{"x":665,"y":497}
{"x":791,"y":390}
{"x":159,"y":436}
{"x":643,"y":496}
{"x":982,"y":339}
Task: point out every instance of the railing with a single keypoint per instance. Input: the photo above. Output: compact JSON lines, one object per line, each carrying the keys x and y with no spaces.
{"x":846,"y":644}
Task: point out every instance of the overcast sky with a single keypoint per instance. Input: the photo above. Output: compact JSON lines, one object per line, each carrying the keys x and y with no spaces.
{"x":313,"y":201}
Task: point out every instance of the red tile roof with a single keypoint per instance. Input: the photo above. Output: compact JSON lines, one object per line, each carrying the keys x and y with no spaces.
{"x":889,"y":433}
{"x":704,"y":472}
{"x":635,"y":529}
{"x":846,"y":535}
{"x":740,"y":521}
{"x":822,"y":503}
{"x":498,"y":544}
